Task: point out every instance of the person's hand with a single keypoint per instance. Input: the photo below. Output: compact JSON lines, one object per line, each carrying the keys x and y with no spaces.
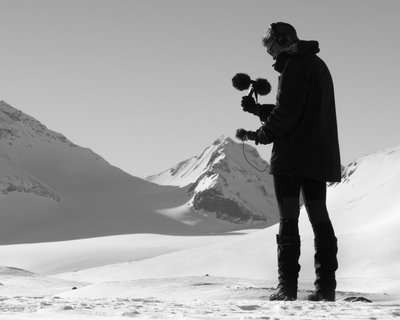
{"x":244,"y":135}
{"x":249,"y":105}
{"x":241,"y":134}
{"x":251,"y":135}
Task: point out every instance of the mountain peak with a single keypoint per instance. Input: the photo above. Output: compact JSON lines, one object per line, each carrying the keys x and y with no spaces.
{"x":223,"y":140}
{"x":223,"y":182}
{"x":18,"y":126}
{"x":222,"y":153}
{"x":5,"y":105}
{"x":9,"y":113}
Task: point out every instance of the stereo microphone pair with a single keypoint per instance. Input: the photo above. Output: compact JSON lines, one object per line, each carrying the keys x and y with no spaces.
{"x":242,"y":81}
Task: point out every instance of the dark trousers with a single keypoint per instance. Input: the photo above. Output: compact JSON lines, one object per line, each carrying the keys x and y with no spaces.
{"x":287,"y":190}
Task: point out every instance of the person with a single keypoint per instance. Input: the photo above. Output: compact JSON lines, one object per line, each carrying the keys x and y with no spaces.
{"x":305,"y":156}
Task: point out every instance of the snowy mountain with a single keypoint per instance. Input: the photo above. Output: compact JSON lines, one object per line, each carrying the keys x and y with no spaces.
{"x":222,"y":181}
{"x":366,"y":206}
{"x":364,"y":209}
{"x":172,"y":250}
{"x":225,"y":276}
{"x":51,"y":190}
{"x":90,"y":198}
{"x":19,"y":131}
{"x":14,"y":179}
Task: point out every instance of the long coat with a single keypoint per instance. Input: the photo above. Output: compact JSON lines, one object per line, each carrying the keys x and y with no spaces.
{"x":303,"y":126}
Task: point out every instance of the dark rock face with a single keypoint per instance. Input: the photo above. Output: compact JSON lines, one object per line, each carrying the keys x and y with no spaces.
{"x":15,"y":124}
{"x":225,"y":208}
{"x":17,"y":184}
{"x":221,"y":181}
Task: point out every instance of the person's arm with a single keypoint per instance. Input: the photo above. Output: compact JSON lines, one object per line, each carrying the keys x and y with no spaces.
{"x":262,"y":110}
{"x":290,"y":102}
{"x":265,"y":110}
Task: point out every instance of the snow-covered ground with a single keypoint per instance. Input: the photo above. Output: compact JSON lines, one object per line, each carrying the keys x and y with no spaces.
{"x":147,"y":276}
{"x":135,"y":249}
{"x":202,"y":297}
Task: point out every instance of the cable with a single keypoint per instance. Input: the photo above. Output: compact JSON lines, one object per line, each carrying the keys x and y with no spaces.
{"x":244,"y":153}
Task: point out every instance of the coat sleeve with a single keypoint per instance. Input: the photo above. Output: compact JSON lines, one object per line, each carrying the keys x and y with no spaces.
{"x":265,"y":110}
{"x":289,"y":105}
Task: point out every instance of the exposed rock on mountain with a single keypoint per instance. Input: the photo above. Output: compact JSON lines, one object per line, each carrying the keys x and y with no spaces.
{"x":221,"y":181}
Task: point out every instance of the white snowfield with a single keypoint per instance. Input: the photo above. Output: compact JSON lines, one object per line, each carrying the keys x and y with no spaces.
{"x":203,"y":297}
{"x":178,"y":270}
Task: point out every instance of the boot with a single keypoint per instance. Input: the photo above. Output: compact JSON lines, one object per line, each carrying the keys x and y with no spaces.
{"x":326,"y":264}
{"x":288,"y":268}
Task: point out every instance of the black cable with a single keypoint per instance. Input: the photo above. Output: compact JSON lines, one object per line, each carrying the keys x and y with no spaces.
{"x":244,"y":153}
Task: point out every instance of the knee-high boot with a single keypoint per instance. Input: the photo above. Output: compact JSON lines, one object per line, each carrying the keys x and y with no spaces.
{"x":325,"y":262}
{"x":288,"y":267}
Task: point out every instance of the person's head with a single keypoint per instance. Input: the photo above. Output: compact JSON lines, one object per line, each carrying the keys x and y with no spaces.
{"x":279,"y":36}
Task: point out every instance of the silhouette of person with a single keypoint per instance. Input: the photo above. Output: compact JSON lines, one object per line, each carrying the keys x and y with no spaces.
{"x":303,"y":129}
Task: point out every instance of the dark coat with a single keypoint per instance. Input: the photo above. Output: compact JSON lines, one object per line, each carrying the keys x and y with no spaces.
{"x":303,"y":124}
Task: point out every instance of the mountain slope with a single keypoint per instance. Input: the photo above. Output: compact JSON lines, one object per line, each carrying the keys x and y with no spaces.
{"x":364,"y":209}
{"x":222,"y":181}
{"x":52,"y":189}
{"x":55,"y":190}
{"x":367,"y":206}
{"x":14,"y":179}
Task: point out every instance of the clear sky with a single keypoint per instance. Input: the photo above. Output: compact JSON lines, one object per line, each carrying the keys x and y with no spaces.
{"x":147,"y":83}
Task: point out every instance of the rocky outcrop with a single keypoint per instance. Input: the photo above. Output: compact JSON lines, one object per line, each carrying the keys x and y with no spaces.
{"x":222,"y":182}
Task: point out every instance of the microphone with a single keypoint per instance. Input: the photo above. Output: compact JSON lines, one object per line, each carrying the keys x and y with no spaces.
{"x":242,"y":81}
{"x":241,"y":134}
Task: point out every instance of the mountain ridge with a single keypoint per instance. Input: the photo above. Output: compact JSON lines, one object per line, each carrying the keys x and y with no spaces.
{"x":52,"y":189}
{"x":221,"y":181}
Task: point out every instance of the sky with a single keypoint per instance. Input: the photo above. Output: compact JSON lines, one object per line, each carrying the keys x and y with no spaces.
{"x":147,"y":83}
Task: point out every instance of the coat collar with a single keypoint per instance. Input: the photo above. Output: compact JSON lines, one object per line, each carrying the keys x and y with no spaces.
{"x":298,"y":48}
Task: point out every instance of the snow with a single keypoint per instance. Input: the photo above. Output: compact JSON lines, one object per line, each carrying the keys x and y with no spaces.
{"x":74,"y":255}
{"x":187,"y":171}
{"x":181,"y":277}
{"x":222,"y":181}
{"x":73,"y":184}
{"x":132,"y":248}
{"x":203,"y":297}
